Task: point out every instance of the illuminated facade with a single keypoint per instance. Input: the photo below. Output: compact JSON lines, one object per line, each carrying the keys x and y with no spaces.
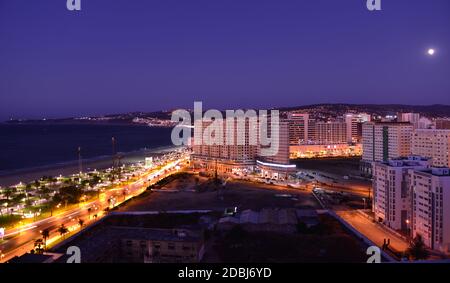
{"x":244,"y":158}
{"x":298,"y":128}
{"x":434,"y":144}
{"x":321,"y":150}
{"x":382,"y":141}
{"x":411,"y":196}
{"x":412,"y":118}
{"x":354,"y":126}
{"x":331,"y":132}
{"x":442,"y":124}
{"x":277,"y":166}
{"x":431,"y":207}
{"x":391,"y":194}
{"x":227,"y":158}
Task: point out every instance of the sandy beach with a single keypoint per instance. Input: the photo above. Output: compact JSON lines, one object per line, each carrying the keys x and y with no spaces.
{"x":68,"y":168}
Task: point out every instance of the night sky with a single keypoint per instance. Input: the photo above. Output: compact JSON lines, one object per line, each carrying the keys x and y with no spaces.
{"x":144,"y":55}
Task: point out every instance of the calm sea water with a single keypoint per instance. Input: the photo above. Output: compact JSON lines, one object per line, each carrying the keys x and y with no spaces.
{"x":29,"y":146}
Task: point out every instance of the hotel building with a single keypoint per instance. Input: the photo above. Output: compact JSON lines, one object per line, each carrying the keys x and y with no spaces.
{"x":242,"y":158}
{"x":425,"y":123}
{"x":412,"y":118}
{"x":325,"y":150}
{"x":331,"y":132}
{"x":431,"y":207}
{"x":434,"y":144}
{"x":298,"y":128}
{"x":442,"y":123}
{"x":391,"y":193}
{"x":383,"y":141}
{"x":226,"y":158}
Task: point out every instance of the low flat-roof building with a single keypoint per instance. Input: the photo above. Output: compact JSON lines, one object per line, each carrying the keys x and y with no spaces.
{"x":270,"y":220}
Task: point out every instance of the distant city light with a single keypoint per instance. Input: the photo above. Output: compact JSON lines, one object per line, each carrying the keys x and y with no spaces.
{"x":276,"y":165}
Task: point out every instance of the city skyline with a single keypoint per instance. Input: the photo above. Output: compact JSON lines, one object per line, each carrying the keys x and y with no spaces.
{"x":121,"y":57}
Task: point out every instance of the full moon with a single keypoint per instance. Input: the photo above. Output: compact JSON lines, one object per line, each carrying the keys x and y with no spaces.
{"x":431,"y":51}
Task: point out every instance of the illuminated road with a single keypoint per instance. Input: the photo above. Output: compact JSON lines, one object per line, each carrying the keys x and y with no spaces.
{"x":375,"y":232}
{"x":21,"y":240}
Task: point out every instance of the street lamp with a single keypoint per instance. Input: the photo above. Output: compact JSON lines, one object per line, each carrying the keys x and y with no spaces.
{"x":408,"y":227}
{"x":2,"y":233}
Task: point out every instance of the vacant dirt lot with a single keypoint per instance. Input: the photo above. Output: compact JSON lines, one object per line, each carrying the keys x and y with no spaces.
{"x":191,"y":192}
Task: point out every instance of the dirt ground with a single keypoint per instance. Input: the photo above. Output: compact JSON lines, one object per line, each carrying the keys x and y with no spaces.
{"x":339,"y":166}
{"x":193,"y":193}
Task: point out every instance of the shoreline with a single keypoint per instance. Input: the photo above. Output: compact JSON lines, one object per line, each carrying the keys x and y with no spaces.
{"x":25,"y":175}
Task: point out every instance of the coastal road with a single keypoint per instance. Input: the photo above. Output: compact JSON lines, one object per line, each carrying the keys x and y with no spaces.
{"x":21,"y":240}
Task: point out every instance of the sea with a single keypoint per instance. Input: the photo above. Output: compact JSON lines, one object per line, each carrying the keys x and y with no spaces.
{"x":25,"y":146}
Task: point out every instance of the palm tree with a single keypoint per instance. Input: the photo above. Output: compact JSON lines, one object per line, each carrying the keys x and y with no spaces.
{"x":9,"y":192}
{"x":89,"y":212}
{"x":80,"y":222}
{"x":417,"y":249}
{"x":63,"y":230}
{"x":45,"y":235}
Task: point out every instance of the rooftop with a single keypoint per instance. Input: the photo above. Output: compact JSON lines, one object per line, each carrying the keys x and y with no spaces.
{"x":437,"y":171}
{"x":409,"y":161}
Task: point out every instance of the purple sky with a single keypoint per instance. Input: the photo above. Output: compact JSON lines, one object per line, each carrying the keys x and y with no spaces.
{"x":144,"y":55}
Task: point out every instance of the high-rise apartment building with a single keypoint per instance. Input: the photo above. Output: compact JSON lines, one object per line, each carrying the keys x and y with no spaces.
{"x":354,"y":122}
{"x":224,"y":157}
{"x":391,"y":192}
{"x":432,"y":143}
{"x":244,"y":154}
{"x":331,"y":132}
{"x":442,"y":123}
{"x":311,"y":131}
{"x":425,"y":123}
{"x":277,"y":166}
{"x":431,"y":207}
{"x":383,"y":141}
{"x":298,"y":128}
{"x":412,"y":118}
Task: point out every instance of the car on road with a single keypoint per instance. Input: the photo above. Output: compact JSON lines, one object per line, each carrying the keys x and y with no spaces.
{"x":230,"y":211}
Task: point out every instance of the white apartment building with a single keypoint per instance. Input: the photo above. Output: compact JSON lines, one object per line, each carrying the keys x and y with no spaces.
{"x":412,"y":118}
{"x":277,"y":166}
{"x":442,"y":123}
{"x":434,"y":144}
{"x":391,"y":196}
{"x":298,"y":128}
{"x":242,"y":158}
{"x":431,"y":207}
{"x":383,"y":141}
